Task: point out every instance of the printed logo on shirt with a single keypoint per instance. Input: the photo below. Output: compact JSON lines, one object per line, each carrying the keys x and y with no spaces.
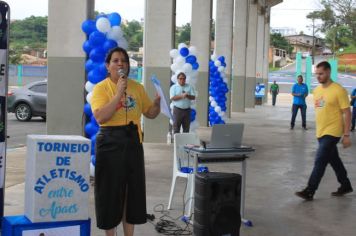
{"x":319,"y":103}
{"x":129,"y":104}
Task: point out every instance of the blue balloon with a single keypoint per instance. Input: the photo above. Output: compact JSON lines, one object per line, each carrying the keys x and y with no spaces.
{"x":102,"y":69}
{"x":87,"y":47}
{"x":96,"y":38}
{"x":97,"y":55}
{"x":223,"y":64}
{"x":101,"y":15}
{"x":221,"y":59}
{"x":91,"y":129}
{"x":191,"y":59}
{"x":109,"y":44}
{"x":184,"y":51}
{"x":93,"y":121}
{"x":87,"y":110}
{"x":95,"y":77}
{"x":90,"y":65}
{"x":211,"y":63}
{"x":195,"y":66}
{"x":115,"y":19}
{"x":93,"y":159}
{"x":88,"y":26}
{"x":213,"y":69}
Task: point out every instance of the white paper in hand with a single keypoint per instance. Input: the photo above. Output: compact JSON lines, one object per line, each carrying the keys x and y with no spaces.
{"x":164,"y":105}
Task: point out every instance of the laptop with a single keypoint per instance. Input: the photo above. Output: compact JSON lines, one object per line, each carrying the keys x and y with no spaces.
{"x":226,"y":136}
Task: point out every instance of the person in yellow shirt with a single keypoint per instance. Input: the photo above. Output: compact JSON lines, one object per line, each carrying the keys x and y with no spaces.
{"x":117,"y":104}
{"x":333,"y":121}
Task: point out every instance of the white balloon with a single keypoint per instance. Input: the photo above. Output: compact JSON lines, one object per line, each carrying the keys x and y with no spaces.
{"x":115,"y":33}
{"x":122,"y":42}
{"x":180,"y":61}
{"x":171,"y":121}
{"x":174,"y":67}
{"x":92,"y":170}
{"x":221,"y":68}
{"x":225,"y":80}
{"x":193,"y":105}
{"x":222,"y":113}
{"x":89,"y":86}
{"x":217,"y":109}
{"x":88,"y":97}
{"x":213,"y":57}
{"x":211,"y":99}
{"x":182,"y":45}
{"x":174,"y":53}
{"x":188,"y":79}
{"x":213,"y":104}
{"x":217,"y":63}
{"x":193,"y":50}
{"x":187,"y":68}
{"x":174,"y":78}
{"x":171,"y":105}
{"x":103,"y":24}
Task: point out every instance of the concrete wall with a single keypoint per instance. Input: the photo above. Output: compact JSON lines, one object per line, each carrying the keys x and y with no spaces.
{"x":66,"y":75}
{"x":239,"y":56}
{"x":223,"y":40}
{"x":200,"y":38}
{"x":158,"y":41}
{"x":251,"y":56}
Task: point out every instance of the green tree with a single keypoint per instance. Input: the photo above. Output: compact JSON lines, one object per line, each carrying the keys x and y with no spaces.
{"x":183,"y":34}
{"x":278,"y":41}
{"x":133,"y":32}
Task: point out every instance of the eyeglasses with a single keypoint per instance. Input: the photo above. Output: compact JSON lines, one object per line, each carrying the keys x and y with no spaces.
{"x":118,"y":60}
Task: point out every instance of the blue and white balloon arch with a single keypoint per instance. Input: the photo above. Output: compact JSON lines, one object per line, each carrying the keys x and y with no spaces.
{"x":103,"y":33}
{"x":185,"y":60}
{"x":217,"y":90}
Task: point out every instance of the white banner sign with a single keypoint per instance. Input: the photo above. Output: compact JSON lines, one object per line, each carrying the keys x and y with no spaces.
{"x":69,"y":231}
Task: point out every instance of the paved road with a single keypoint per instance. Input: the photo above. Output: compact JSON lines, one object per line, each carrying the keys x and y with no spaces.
{"x":18,"y":131}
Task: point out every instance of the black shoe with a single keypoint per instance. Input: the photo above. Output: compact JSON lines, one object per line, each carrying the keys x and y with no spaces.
{"x":305,"y":128}
{"x":292,"y":127}
{"x":342,"y":191}
{"x":306,"y":194}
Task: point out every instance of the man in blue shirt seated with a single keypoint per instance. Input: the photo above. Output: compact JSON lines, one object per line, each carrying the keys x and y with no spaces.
{"x":299,"y":92}
{"x":353,"y":105}
{"x":181,"y":95}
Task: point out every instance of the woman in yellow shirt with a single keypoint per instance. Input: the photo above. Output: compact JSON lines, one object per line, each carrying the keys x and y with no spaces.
{"x":117,"y":104}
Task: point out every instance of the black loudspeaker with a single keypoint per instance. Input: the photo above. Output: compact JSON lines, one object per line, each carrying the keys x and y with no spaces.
{"x":217,"y":200}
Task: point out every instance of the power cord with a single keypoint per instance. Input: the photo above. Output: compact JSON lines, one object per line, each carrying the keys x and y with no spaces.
{"x":168,"y":225}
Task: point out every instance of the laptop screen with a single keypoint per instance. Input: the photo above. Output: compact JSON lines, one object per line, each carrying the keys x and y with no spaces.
{"x":226,"y":136}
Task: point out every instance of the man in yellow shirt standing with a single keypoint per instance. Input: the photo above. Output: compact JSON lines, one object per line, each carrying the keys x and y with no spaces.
{"x":333,"y":121}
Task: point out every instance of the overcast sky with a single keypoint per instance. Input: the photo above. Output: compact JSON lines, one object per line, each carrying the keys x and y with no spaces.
{"x":290,"y":13}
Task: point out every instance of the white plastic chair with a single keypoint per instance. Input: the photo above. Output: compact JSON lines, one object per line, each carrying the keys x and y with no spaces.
{"x":179,"y":156}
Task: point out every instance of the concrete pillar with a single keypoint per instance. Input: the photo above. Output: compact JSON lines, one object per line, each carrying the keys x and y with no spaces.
{"x":239,"y":56}
{"x":66,"y":74}
{"x":251,"y":55}
{"x":260,"y":44}
{"x":158,"y":41}
{"x":200,"y":38}
{"x":223,"y":40}
{"x":266,"y":51}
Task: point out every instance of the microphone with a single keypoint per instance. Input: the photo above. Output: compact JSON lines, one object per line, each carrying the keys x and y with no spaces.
{"x":122,"y":73}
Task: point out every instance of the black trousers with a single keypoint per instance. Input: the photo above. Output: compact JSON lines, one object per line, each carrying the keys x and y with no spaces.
{"x":181,"y":118}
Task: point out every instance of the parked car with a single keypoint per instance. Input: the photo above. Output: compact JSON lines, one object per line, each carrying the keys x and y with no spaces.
{"x":305,"y":54}
{"x":28,"y":101}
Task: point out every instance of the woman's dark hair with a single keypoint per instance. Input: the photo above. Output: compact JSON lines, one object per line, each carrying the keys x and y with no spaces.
{"x":181,"y":73}
{"x":120,"y":50}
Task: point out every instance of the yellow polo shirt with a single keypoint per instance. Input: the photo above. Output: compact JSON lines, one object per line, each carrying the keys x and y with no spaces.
{"x":137,"y":102}
{"x":329,"y":103}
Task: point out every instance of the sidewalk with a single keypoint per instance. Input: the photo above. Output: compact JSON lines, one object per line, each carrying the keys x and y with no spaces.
{"x":280,"y":166}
